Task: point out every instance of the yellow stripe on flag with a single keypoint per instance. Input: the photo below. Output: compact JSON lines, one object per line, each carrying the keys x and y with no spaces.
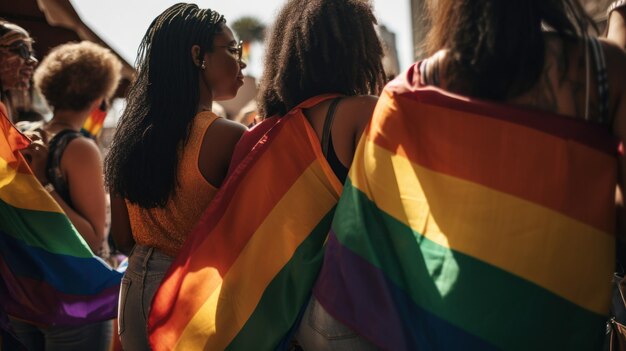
{"x":21,"y":192}
{"x":491,"y":226}
{"x":235,"y":300}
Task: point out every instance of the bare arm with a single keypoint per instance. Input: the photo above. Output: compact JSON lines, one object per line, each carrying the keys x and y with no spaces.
{"x":616,"y":27}
{"x":82,"y":168}
{"x":82,"y":165}
{"x":120,"y":225}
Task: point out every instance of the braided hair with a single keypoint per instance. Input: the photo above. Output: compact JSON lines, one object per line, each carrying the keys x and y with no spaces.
{"x":313,"y":49}
{"x":495,"y":49}
{"x":142,"y":163}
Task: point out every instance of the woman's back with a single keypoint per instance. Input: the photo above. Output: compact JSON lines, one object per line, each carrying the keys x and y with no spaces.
{"x":351,"y":115}
{"x":200,"y":172}
{"x":570,"y":76}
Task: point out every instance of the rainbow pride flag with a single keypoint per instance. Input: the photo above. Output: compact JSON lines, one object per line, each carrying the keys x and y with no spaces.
{"x":95,"y":121}
{"x":246,"y":271}
{"x":49,"y":274}
{"x":467,"y":225}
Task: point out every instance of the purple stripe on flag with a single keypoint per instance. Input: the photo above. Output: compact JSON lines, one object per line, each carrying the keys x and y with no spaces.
{"x":40,"y":303}
{"x":391,"y":319}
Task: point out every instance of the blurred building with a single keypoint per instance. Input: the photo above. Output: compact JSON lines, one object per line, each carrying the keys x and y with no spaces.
{"x":391,"y":64}
{"x":420,"y":24}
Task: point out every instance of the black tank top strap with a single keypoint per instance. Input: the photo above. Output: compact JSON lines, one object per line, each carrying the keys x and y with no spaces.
{"x":328,"y":149}
{"x":328,"y":124}
{"x":56,"y":147}
{"x":602,"y":80}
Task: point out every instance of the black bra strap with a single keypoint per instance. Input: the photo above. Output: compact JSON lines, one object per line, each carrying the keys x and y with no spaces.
{"x":328,"y":123}
{"x":602,"y":81}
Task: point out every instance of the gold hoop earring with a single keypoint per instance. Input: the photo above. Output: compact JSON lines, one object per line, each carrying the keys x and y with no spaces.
{"x":203,"y":66}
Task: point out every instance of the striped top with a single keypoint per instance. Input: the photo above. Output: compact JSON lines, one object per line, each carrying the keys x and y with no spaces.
{"x":167,"y":228}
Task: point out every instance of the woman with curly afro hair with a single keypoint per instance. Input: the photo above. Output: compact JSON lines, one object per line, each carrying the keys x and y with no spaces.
{"x":75,"y":79}
{"x":326,"y":55}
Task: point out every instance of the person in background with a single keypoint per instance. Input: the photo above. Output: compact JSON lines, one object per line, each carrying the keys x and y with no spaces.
{"x":170,"y":153}
{"x":74,"y":79}
{"x":17,"y":63}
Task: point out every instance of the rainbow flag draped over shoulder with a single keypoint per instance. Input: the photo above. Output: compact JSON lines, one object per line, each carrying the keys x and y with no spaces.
{"x":49,"y":274}
{"x":467,"y":225}
{"x":246,"y":272}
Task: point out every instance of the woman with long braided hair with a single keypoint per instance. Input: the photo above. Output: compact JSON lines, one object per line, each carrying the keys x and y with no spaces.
{"x":170,"y":152}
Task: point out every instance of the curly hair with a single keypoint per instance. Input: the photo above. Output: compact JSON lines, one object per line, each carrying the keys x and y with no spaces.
{"x":314,"y":49}
{"x":73,"y":75}
{"x":496,"y":48}
{"x":142,"y":163}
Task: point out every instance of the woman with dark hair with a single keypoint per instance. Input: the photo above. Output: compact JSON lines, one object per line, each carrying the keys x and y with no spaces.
{"x":285,"y":178}
{"x":17,"y":62}
{"x":460,"y":225}
{"x":488,"y":50}
{"x":312,"y":51}
{"x":170,"y":152}
{"x":320,"y":52}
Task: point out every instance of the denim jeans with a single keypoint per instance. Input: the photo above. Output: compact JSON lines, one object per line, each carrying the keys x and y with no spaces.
{"x":93,"y":336}
{"x":320,"y":331}
{"x":146,"y":269}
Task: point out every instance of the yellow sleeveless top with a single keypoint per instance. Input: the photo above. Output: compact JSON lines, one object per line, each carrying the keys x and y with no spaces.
{"x":167,"y":228}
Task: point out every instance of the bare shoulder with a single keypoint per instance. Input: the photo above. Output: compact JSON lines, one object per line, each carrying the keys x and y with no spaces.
{"x":82,"y":151}
{"x":230,"y":128}
{"x":360,"y":109}
{"x":217,"y":149}
{"x":613,"y":52}
{"x":615,"y":61}
{"x":222,"y":136}
{"x":361,"y":103}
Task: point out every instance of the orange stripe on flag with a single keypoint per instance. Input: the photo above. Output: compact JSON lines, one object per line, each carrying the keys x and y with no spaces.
{"x":472,"y":149}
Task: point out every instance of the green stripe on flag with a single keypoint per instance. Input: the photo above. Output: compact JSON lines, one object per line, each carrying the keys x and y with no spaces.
{"x":49,"y":231}
{"x":484,"y":300}
{"x":286,"y":295}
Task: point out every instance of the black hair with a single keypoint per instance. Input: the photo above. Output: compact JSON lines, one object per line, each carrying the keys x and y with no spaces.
{"x":317,"y":47}
{"x":142,"y":163}
{"x":495,"y":48}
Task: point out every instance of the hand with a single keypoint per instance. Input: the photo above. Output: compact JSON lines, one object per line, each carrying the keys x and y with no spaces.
{"x":37,"y":156}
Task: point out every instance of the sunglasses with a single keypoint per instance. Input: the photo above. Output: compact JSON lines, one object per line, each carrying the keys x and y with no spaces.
{"x":234,"y":50}
{"x":20,"y":49}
